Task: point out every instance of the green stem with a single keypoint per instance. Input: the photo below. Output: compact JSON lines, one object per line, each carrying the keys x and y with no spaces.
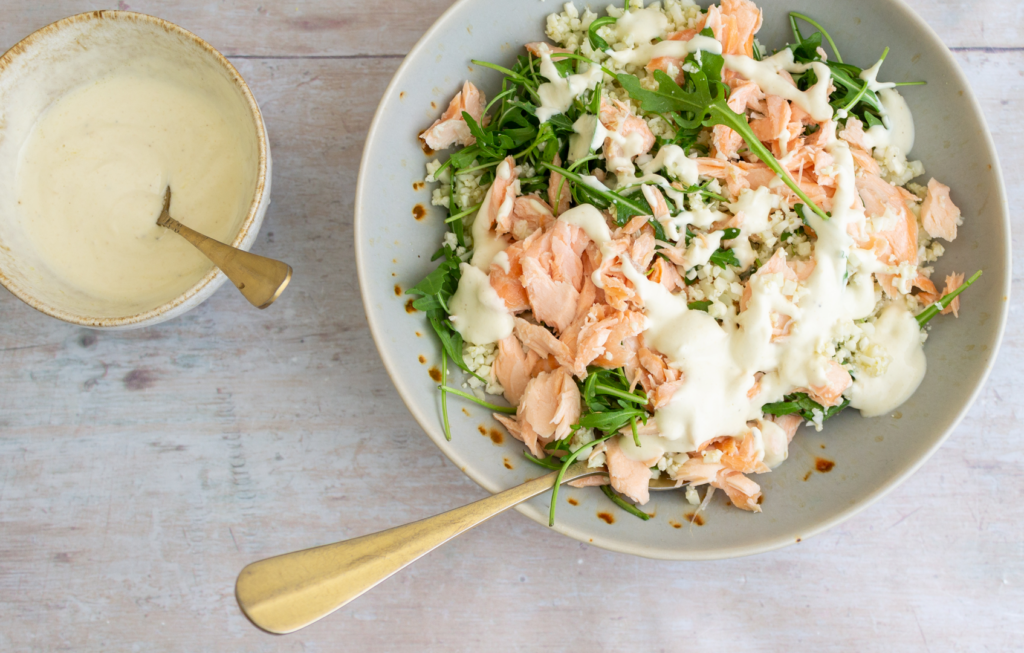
{"x":570,"y":459}
{"x":821,"y":29}
{"x":508,"y":410}
{"x":547,"y":464}
{"x":722,"y":114}
{"x":444,"y":397}
{"x":459,"y":216}
{"x":622,"y":503}
{"x":628,"y":396}
{"x":607,"y":195}
{"x":927,"y":314}
{"x":636,"y":435}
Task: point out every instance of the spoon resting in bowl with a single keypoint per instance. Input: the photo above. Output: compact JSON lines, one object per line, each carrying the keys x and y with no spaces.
{"x":290,"y":591}
{"x":261,"y":279}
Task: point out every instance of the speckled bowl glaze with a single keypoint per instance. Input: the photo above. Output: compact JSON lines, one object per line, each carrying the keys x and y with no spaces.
{"x":870,"y":456}
{"x":59,"y":57}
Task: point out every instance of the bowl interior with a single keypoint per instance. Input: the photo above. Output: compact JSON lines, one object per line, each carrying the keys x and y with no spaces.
{"x":870,"y":456}
{"x":73,"y":54}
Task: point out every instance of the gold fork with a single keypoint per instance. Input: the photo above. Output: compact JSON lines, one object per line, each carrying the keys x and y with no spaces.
{"x":288,"y":592}
{"x":261,"y":279}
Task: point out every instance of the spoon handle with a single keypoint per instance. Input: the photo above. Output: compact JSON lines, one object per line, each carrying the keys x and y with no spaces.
{"x":288,"y":592}
{"x":261,"y":279}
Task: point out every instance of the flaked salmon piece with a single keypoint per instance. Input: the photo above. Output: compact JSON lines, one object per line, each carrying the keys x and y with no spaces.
{"x":540,"y":48}
{"x":825,"y":134}
{"x":628,"y":476}
{"x":735,"y":175}
{"x":939,"y":215}
{"x":654,"y":197}
{"x":507,"y":282}
{"x":725,"y":142}
{"x":865,"y":162}
{"x":513,"y":367}
{"x":642,"y":251}
{"x":540,"y":340}
{"x":671,"y":66}
{"x":664,"y":392}
{"x":530,"y":213}
{"x":953,"y":281}
{"x":739,"y":453}
{"x":617,"y":292}
{"x":788,"y":423}
{"x":746,"y":95}
{"x":553,"y":302}
{"x":743,"y":492}
{"x":607,"y":339}
{"x":590,"y":481}
{"x":746,"y":19}
{"x":615,"y":117}
{"x":657,"y":367}
{"x":550,"y":405}
{"x":566,"y":264}
{"x":779,"y":115}
{"x":502,"y":199}
{"x":559,"y":196}
{"x":451,"y":129}
{"x":928,"y":292}
{"x":666,"y":274}
{"x":854,"y":134}
{"x":635,"y":224}
{"x":686,"y":34}
{"x":879,"y":196}
{"x":837,"y":381}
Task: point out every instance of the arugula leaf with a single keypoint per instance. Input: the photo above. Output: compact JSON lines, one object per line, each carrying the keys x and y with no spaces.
{"x":596,"y":42}
{"x":698,"y":105}
{"x":626,"y":207}
{"x":699,"y":306}
{"x":802,"y":404}
{"x":724,"y":257}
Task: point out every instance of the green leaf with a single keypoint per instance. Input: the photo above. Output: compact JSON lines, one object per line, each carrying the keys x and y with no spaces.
{"x":596,"y":42}
{"x":699,"y":306}
{"x":724,"y":257}
{"x":803,"y":405}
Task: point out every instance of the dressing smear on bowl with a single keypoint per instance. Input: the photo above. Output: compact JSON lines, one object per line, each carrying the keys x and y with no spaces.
{"x":91,"y":178}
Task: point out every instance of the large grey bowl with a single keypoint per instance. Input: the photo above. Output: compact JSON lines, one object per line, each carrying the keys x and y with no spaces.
{"x":871,"y":456}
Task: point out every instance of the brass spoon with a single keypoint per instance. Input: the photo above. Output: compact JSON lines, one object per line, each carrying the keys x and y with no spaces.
{"x":288,"y":592}
{"x":261,"y":279}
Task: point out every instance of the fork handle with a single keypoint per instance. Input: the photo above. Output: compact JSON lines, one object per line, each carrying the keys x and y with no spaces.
{"x":260,"y":279}
{"x":288,"y":592}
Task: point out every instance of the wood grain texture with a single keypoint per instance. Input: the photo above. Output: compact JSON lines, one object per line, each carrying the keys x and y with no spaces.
{"x":140,"y":471}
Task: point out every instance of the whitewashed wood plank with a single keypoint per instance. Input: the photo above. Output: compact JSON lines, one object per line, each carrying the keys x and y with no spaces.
{"x":125,"y":517}
{"x":348,"y":28}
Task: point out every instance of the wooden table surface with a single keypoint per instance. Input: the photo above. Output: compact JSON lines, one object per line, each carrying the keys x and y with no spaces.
{"x":140,"y":471}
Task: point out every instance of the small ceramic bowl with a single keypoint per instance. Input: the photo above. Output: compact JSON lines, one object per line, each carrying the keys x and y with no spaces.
{"x":829,"y":476}
{"x":63,"y":56}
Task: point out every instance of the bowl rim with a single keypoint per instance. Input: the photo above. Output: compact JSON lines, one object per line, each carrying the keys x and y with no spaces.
{"x":214,"y":276}
{"x":429,"y":423}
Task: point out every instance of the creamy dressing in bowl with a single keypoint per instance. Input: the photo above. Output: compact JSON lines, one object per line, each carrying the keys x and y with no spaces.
{"x":99,"y":113}
{"x":91,"y":178}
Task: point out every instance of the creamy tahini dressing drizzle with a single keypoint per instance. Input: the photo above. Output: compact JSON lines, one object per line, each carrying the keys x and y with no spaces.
{"x":766,"y":74}
{"x":642,"y":54}
{"x":91,"y":179}
{"x":897,"y":331}
{"x":485,"y":243}
{"x":589,"y":136}
{"x":900,"y":132}
{"x":557,"y":94}
{"x":478,"y":313}
{"x":719,"y":361}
